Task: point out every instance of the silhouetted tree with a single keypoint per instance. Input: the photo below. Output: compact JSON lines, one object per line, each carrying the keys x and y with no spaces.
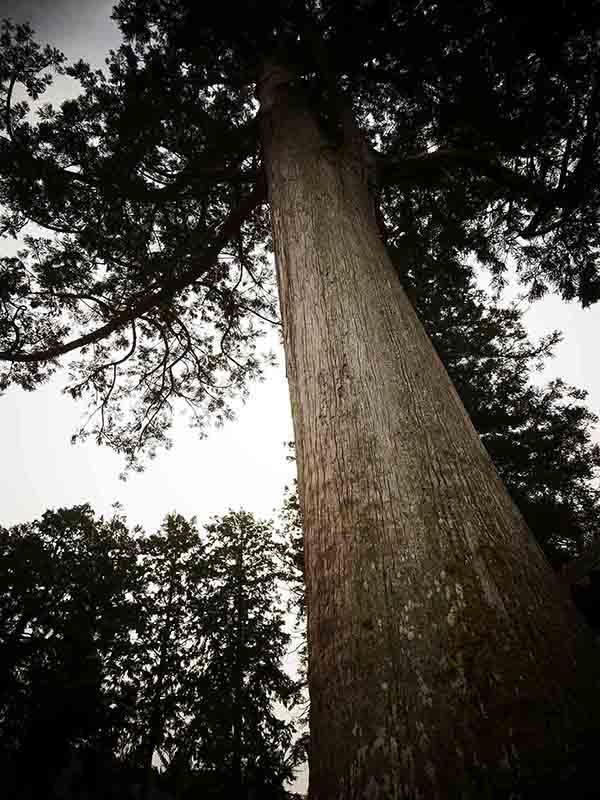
{"x":167,"y":645}
{"x":436,"y":628}
{"x":235,"y":742}
{"x":144,"y":661}
{"x":66,"y":587}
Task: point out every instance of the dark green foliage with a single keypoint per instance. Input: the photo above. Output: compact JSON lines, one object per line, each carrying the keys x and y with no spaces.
{"x":121,"y":652}
{"x":483,"y":132}
{"x":234,"y":740}
{"x":290,"y":520}
{"x":66,"y":583}
{"x":168,"y":647}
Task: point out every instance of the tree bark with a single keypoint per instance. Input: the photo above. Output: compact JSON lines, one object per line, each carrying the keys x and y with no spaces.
{"x":156,"y":722}
{"x":237,"y":775}
{"x":445,"y":659}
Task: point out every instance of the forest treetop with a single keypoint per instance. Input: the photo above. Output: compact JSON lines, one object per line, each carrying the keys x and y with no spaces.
{"x":141,"y":205}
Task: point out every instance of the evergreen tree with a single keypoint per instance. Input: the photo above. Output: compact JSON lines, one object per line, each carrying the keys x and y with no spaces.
{"x":66,"y":583}
{"x":151,"y":661}
{"x":436,"y":629}
{"x":235,"y":742}
{"x":164,"y":658}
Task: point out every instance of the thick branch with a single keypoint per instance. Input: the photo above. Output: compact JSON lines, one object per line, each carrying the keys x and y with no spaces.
{"x":397,"y":170}
{"x":132,"y":189}
{"x":201,"y":264}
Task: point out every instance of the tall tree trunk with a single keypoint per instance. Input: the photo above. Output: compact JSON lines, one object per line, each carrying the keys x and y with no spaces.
{"x":445,"y":659}
{"x":238,"y":672}
{"x":156,"y":722}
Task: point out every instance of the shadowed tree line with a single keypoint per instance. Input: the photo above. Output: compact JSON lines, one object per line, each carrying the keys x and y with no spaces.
{"x":137,"y":666}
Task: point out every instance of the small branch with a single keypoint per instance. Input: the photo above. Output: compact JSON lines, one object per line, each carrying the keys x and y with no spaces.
{"x":72,"y":296}
{"x":201,"y":264}
{"x":8,"y":120}
{"x":129,"y":189}
{"x":114,"y":364}
{"x":274,"y":322}
{"x":565,"y":164}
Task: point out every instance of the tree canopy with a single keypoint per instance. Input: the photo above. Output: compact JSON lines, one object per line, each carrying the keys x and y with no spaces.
{"x":143,"y":205}
{"x":67,"y":587}
{"x":122,"y":651}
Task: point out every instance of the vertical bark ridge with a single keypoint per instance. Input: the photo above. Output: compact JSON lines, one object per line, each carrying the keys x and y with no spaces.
{"x":445,"y":661}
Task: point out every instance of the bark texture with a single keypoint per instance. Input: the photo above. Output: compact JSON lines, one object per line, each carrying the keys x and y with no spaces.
{"x":445,"y":659}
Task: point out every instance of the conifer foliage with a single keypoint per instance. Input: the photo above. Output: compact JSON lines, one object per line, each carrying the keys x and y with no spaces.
{"x":150,"y":661}
{"x":146,"y":259}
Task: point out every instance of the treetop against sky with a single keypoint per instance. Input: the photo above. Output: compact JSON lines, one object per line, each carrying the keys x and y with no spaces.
{"x":146,"y":269}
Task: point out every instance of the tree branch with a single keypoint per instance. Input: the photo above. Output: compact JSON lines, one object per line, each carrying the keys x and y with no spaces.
{"x":201,"y":264}
{"x":8,"y":110}
{"x":129,"y":188}
{"x":393,"y":171}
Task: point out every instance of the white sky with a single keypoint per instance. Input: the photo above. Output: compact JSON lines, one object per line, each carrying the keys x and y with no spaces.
{"x":240,"y":465}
